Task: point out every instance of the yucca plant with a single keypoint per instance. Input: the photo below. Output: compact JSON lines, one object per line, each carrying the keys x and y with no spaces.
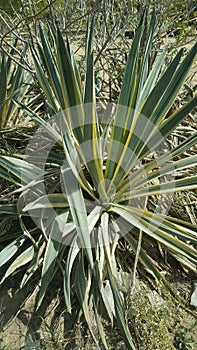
{"x":14,"y":84}
{"x":90,"y":182}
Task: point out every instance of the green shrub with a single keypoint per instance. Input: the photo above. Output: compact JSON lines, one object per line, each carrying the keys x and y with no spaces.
{"x":94,"y":172}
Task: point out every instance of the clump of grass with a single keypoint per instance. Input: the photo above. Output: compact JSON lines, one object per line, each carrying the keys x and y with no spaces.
{"x":158,"y":321}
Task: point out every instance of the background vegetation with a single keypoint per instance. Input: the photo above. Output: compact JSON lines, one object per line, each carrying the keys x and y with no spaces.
{"x":102,"y":290}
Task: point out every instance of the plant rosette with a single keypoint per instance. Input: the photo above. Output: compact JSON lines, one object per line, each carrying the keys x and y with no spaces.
{"x":88,"y":190}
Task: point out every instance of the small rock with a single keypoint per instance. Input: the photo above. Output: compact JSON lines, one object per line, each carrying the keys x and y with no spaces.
{"x":193,"y":301}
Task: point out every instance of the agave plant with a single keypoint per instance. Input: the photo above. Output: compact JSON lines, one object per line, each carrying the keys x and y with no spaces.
{"x":100,"y":180}
{"x":14,"y":84}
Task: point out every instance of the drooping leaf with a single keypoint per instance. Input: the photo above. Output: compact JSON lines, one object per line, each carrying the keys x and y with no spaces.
{"x":51,"y":254}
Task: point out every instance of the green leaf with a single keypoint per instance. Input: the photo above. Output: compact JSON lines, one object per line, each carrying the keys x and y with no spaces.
{"x":78,"y":210}
{"x":71,"y":256}
{"x":100,"y":328}
{"x":3,"y":92}
{"x":73,"y":159}
{"x":8,"y":209}
{"x":144,"y":64}
{"x":8,"y":252}
{"x":51,"y":68}
{"x":51,"y":254}
{"x":82,"y":286}
{"x":90,"y":130}
{"x":174,"y":86}
{"x":33,"y":266}
{"x":164,"y":81}
{"x":55,"y":200}
{"x":125,"y":100}
{"x":44,"y":83}
{"x":14,"y":84}
{"x":73,"y":61}
{"x":26,"y":256}
{"x":52,"y":133}
{"x":161,"y":235}
{"x":136,"y":178}
{"x":119,"y":312}
{"x":186,"y":183}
